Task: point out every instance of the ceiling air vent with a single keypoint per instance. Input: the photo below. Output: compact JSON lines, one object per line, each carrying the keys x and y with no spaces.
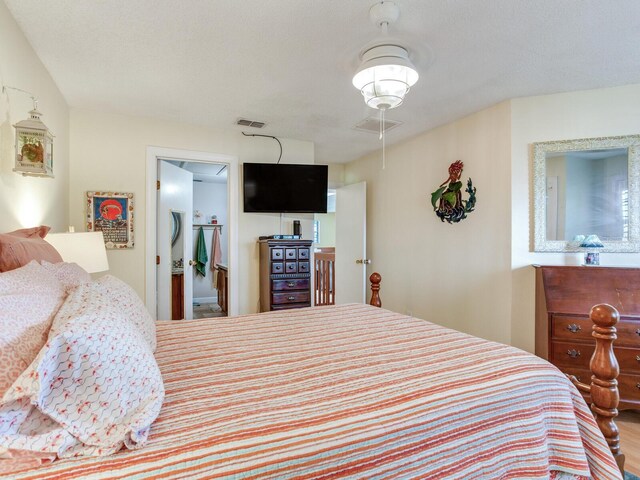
{"x":249,"y":123}
{"x":372,"y":125}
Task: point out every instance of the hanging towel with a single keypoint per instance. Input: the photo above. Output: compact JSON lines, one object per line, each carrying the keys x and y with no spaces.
{"x":216,"y":254}
{"x":201,"y":254}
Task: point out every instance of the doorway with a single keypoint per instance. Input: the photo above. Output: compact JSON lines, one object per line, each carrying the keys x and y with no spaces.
{"x":193,"y":280}
{"x":340,"y":241}
{"x":324,"y":239}
{"x":181,"y":226}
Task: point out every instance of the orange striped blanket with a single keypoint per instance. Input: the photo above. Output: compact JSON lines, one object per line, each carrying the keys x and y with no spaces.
{"x":353,"y":392}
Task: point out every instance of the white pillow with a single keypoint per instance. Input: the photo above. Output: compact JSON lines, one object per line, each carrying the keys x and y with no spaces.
{"x":109,"y":296}
{"x":29,"y":298}
{"x":93,"y":388}
{"x":69,"y":274}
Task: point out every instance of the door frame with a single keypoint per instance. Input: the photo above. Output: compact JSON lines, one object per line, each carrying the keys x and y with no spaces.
{"x":154,"y":154}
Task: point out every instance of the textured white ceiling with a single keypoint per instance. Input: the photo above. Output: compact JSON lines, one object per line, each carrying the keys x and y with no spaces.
{"x":289,"y":63}
{"x":204,"y":172}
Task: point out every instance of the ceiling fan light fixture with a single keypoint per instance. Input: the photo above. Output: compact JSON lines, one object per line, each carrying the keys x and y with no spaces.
{"x":385,"y":76}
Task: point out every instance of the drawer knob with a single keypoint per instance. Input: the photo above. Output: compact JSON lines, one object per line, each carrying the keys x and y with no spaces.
{"x":638,"y":331}
{"x":638,"y":386}
{"x":638,"y":358}
{"x":573,"y":353}
{"x":573,"y":328}
{"x":291,"y":298}
{"x":291,"y":284}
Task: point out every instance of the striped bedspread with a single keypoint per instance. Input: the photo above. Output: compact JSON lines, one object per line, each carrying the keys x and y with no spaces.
{"x":353,"y":392}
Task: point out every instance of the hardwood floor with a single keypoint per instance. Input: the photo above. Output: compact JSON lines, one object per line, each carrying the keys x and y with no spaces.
{"x":207,"y":310}
{"x":629,"y":424}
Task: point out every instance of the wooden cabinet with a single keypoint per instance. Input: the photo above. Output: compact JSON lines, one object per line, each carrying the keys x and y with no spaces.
{"x":223,"y":288}
{"x":285,"y":274}
{"x":177,"y":296}
{"x":564,"y":297}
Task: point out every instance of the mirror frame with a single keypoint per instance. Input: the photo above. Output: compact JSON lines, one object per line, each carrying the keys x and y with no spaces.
{"x":176,"y":226}
{"x":540,"y":149}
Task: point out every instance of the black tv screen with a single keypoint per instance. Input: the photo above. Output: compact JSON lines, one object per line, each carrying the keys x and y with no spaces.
{"x":277,"y":188}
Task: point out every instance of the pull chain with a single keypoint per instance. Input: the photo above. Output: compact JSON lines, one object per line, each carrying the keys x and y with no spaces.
{"x":381,"y":137}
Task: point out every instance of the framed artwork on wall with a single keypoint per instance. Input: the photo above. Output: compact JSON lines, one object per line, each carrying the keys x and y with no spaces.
{"x":112,"y":214}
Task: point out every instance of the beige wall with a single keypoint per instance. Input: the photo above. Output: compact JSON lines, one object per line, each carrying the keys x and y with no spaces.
{"x":336,"y":175}
{"x":591,"y":113}
{"x":327,"y":226}
{"x":477,"y":276}
{"x":108,"y":152}
{"x":30,"y":201}
{"x":455,"y":275}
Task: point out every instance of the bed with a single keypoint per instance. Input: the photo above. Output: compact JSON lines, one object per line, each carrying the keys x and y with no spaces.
{"x":352,"y":391}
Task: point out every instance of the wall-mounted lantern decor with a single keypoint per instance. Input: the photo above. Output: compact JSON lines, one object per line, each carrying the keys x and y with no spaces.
{"x":447,"y":200}
{"x":34,"y":147}
{"x":34,"y":143}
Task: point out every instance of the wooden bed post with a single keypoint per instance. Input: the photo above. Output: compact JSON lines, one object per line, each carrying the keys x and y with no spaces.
{"x":375,"y":279}
{"x":604,"y":383}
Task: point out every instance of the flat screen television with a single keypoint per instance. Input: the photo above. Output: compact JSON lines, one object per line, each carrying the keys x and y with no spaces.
{"x":279,"y":188}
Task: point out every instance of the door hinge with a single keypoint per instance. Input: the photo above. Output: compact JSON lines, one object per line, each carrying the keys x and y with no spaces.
{"x":157,"y":259}
{"x":157,"y":184}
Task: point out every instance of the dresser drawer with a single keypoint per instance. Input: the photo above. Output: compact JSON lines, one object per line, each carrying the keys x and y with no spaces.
{"x":566,"y":327}
{"x":569,"y":327}
{"x":628,"y":333}
{"x":291,"y":267}
{"x":629,"y":386}
{"x":575,"y":355}
{"x":293,"y":284}
{"x":277,"y":253}
{"x":303,"y":267}
{"x":290,"y":306}
{"x":303,"y":254}
{"x":628,"y":359}
{"x":291,"y":253}
{"x":578,"y":355}
{"x":290,"y":297}
{"x":277,"y":267}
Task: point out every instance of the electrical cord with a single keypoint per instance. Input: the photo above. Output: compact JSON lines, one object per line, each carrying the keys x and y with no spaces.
{"x":267,"y":136}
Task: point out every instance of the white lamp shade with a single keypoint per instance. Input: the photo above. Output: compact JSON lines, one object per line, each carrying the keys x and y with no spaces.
{"x":86,"y":249}
{"x":385,"y":76}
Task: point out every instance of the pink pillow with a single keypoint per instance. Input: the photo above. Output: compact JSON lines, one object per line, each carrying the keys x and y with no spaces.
{"x":69,"y":274}
{"x":29,"y":298}
{"x":20,"y":247}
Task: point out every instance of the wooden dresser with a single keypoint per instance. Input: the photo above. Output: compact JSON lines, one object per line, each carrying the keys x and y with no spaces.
{"x":564,"y":296}
{"x":285,"y":274}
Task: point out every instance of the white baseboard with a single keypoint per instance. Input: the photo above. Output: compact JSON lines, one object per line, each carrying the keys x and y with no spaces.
{"x":205,"y":300}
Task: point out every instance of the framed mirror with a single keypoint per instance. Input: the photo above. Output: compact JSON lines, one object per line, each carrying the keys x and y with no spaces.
{"x":176,"y":226}
{"x":589,"y":186}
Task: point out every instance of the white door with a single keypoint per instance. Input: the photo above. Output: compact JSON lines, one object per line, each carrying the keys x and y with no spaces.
{"x":351,"y":244}
{"x":175,"y":195}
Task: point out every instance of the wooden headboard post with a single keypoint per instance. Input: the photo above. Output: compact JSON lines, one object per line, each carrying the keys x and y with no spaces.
{"x":375,"y":280}
{"x":604,"y":384}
